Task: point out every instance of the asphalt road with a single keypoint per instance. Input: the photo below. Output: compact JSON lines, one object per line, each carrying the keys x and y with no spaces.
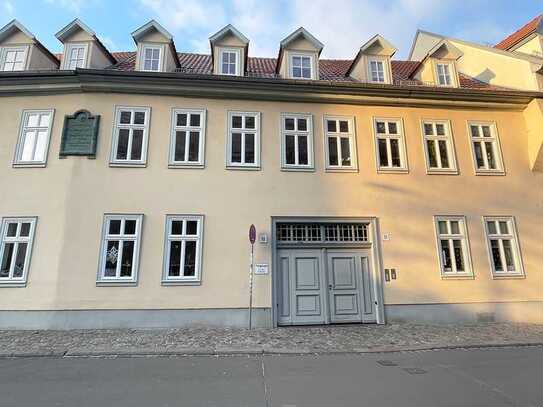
{"x":485,"y":377}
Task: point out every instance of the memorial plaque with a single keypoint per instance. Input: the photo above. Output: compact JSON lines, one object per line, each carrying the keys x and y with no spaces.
{"x":80,"y":134}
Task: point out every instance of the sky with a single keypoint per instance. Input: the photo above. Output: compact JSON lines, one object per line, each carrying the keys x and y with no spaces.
{"x":341,"y":25}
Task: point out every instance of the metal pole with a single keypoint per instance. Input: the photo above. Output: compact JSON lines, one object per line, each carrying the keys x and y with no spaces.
{"x":251,"y":289}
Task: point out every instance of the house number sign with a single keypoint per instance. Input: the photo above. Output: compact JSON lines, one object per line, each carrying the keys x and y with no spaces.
{"x":80,"y":134}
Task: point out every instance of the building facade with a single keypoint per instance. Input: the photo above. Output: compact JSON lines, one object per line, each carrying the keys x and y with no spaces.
{"x":380,"y":189}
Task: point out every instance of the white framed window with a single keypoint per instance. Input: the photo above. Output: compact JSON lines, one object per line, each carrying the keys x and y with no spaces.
{"x":34,"y":136}
{"x":243,"y":146}
{"x":130,"y":136}
{"x":296,"y":141}
{"x":76,"y":56}
{"x":340,"y":143}
{"x":13,"y":58}
{"x":183,"y":249}
{"x":453,"y":246}
{"x":438,"y":147}
{"x":377,"y":70}
{"x":301,"y":66}
{"x":120,"y":247}
{"x":444,"y":74}
{"x":390,"y":147}
{"x":229,"y":60}
{"x":17,"y":237}
{"x":503,"y":246}
{"x":151,"y":58}
{"x":487,"y":155}
{"x":187,"y":138}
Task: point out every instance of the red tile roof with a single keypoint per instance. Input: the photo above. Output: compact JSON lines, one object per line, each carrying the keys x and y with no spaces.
{"x":520,"y":34}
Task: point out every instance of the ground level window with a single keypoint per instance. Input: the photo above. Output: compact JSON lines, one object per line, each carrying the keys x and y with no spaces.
{"x":183,"y":248}
{"x":453,"y":246}
{"x":119,"y":254}
{"x":503,"y":247}
{"x":16,"y":238}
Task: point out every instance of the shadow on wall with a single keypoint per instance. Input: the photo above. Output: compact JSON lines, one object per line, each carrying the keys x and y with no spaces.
{"x":486,"y":76}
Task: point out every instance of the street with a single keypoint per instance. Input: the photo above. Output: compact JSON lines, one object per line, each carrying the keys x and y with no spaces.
{"x":477,"y":377}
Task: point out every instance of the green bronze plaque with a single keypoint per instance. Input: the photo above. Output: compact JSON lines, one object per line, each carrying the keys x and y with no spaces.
{"x":80,"y":134}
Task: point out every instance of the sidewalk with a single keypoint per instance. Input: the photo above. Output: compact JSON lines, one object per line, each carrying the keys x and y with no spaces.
{"x":297,"y":340}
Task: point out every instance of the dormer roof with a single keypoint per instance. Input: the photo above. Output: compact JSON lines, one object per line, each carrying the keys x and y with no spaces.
{"x":386,"y":49}
{"x":302,"y":33}
{"x":145,"y":29}
{"x":452,"y":52}
{"x":229,"y":29}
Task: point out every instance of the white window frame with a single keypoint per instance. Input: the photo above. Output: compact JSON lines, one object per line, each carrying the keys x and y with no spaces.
{"x":495,"y":140}
{"x":198,"y":238}
{"x":256,"y":131}
{"x":512,"y":236}
{"x":145,"y":47}
{"x":101,"y":279}
{"x":352,"y":144}
{"x":68,"y":52}
{"x":377,"y":61}
{"x":4,"y":53}
{"x":114,"y":162}
{"x":451,"y":74}
{"x":235,"y":51}
{"x":308,"y":133}
{"x":10,"y":280}
{"x":449,"y":141}
{"x":188,"y":128}
{"x":404,"y":167}
{"x":23,"y":128}
{"x":463,"y":236}
{"x":311,"y":65}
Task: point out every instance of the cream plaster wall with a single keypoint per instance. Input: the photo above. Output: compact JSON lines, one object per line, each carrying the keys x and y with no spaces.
{"x":534,"y":47}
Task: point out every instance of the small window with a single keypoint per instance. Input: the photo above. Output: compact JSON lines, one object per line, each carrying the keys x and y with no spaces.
{"x":301,"y":66}
{"x":243,"y":140}
{"x":13,"y":59}
{"x":377,"y":71}
{"x":453,"y":247}
{"x":183,"y":249}
{"x":130,"y":136}
{"x":151,"y":58}
{"x":503,"y":247}
{"x":486,"y":148}
{"x":340,"y":143}
{"x":119,"y":254}
{"x":297,"y":141}
{"x":229,"y":62}
{"x":17,"y":236}
{"x":444,"y":74}
{"x":438,"y":147}
{"x":76,"y":56}
{"x":390,"y":145}
{"x":34,"y":136}
{"x":187,"y":139}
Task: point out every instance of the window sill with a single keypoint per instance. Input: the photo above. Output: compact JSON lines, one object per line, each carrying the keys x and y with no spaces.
{"x":127,"y":165}
{"x":243,"y":167}
{"x":341,"y":169}
{"x":458,"y":277}
{"x":442,"y":172}
{"x":491,"y":172}
{"x":103,"y":283}
{"x":180,"y":282}
{"x":392,"y":170}
{"x":189,"y":166}
{"x":29,"y":165}
{"x":8,"y":284}
{"x":298,"y":169}
{"x":508,"y":277}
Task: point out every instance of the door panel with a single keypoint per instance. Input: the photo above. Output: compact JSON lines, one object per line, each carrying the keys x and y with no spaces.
{"x":343,"y":287}
{"x":369,"y":312}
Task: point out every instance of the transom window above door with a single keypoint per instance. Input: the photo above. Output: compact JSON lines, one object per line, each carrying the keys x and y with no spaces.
{"x":438,"y":147}
{"x":486,"y":149}
{"x":453,"y":247}
{"x":243,"y":146}
{"x":151,"y":58}
{"x":297,"y":141}
{"x":130,"y":134}
{"x":187,"y":138}
{"x":34,"y":135}
{"x":301,"y":66}
{"x":13,"y":59}
{"x":340,"y":140}
{"x":390,"y":148}
{"x":230,"y":62}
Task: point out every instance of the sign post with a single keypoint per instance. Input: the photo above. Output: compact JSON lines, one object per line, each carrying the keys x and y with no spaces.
{"x":252,"y":239}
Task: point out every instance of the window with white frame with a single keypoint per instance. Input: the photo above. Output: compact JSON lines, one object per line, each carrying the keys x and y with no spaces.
{"x":301,"y":66}
{"x":13,"y":59}
{"x":486,"y":148}
{"x":229,"y":61}
{"x":151,"y":58}
{"x":188,"y":137}
{"x":34,"y":136}
{"x":390,"y":145}
{"x":453,"y":246}
{"x":183,"y":249}
{"x":503,"y":246}
{"x":76,"y":56}
{"x":297,"y":141}
{"x":340,"y":143}
{"x":377,"y":70}
{"x":438,"y":147}
{"x":130,"y":135}
{"x":119,"y":253}
{"x":444,"y":74}
{"x":243,"y":140}
{"x":17,"y":235}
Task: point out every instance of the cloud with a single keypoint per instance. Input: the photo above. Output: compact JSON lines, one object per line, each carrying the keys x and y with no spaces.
{"x":8,"y":7}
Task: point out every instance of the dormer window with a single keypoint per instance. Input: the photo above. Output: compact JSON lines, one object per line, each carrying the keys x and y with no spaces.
{"x":76,"y":56}
{"x":301,"y":66}
{"x":13,"y":59}
{"x":444,"y":77}
{"x":229,"y":61}
{"x":151,"y":58}
{"x":377,"y":71}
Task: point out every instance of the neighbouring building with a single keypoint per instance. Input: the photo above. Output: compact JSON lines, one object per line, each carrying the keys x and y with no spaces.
{"x":380,"y":189}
